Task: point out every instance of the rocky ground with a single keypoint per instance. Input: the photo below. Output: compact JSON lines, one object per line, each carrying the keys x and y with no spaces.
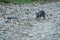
{"x":18,"y":22}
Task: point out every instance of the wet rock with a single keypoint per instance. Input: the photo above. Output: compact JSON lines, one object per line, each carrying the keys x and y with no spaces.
{"x":7,"y":21}
{"x":26,"y":13}
{"x":25,"y":34}
{"x":11,"y":17}
{"x":51,"y":14}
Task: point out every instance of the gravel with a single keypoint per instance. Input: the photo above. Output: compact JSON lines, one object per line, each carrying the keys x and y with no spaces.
{"x":18,"y":22}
